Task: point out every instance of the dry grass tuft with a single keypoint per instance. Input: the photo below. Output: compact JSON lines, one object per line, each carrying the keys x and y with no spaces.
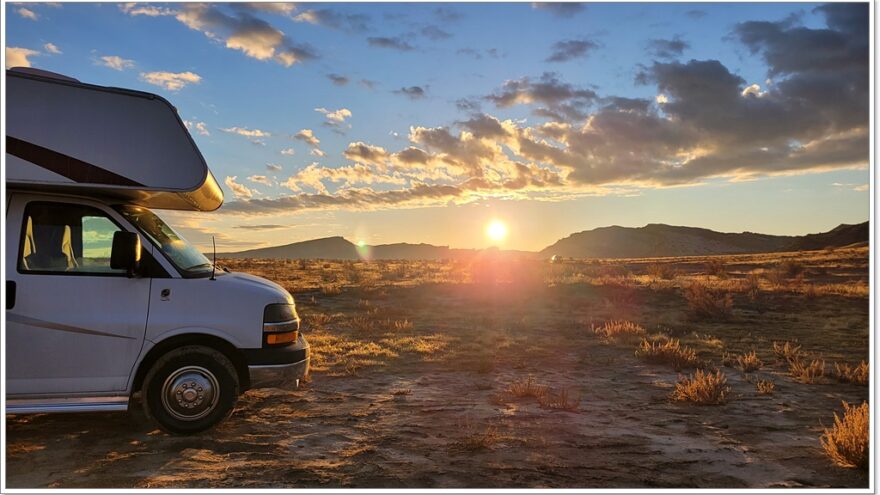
{"x":749,"y":362}
{"x":752,"y":286}
{"x":846,"y":443}
{"x":706,"y":303}
{"x":804,"y":372}
{"x":858,"y":374}
{"x":619,"y":330}
{"x":664,"y":271}
{"x":477,"y":440}
{"x":526,"y":388}
{"x":704,"y":388}
{"x":789,"y":351}
{"x":561,"y":401}
{"x":716,"y":267}
{"x":765,"y":387}
{"x":669,"y":352}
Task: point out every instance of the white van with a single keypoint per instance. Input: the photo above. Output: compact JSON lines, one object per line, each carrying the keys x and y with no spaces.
{"x":103,"y":299}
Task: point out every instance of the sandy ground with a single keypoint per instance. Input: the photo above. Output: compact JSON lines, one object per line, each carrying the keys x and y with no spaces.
{"x":431,"y":412}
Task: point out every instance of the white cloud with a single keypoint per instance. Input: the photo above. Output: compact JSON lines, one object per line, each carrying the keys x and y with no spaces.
{"x":288,"y":151}
{"x":18,"y":57}
{"x":317,"y":152}
{"x":200,"y":127}
{"x":251,"y":133}
{"x":260,"y":179}
{"x":274,"y":167}
{"x":116,"y":63}
{"x":307,"y":136}
{"x":861,"y":188}
{"x":753,"y":90}
{"x":172,"y":81}
{"x":27,"y":13}
{"x":52,"y":49}
{"x":239,"y":190}
{"x":134,"y":9}
{"x":335,"y":118}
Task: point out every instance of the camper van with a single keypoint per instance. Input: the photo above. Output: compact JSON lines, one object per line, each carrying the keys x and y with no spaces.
{"x":105,"y":302}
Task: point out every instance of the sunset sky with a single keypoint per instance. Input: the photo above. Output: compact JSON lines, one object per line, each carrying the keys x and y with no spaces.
{"x":424,"y":122}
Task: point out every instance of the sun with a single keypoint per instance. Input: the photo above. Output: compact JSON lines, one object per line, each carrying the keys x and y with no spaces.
{"x":496,"y":230}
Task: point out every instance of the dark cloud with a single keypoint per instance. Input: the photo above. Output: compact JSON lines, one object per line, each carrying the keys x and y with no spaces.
{"x":559,"y":99}
{"x":564,"y":51}
{"x":338,"y":79}
{"x":484,"y":126}
{"x":467,"y":104}
{"x":435,"y":33}
{"x":392,"y":43}
{"x":667,"y":49}
{"x":335,"y":20}
{"x":478,"y":54}
{"x":367,"y":83}
{"x":447,"y":15}
{"x":261,"y":227}
{"x":412,"y":92}
{"x":696,"y":14}
{"x":559,"y":9}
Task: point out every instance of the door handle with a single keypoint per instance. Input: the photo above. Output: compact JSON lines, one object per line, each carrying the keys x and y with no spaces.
{"x":10,"y":294}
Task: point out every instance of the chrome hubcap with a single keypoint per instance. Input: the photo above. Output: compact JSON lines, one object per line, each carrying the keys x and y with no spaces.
{"x":190,"y":393}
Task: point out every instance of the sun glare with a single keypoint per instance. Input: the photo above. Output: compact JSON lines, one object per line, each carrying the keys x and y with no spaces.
{"x":496,"y":230}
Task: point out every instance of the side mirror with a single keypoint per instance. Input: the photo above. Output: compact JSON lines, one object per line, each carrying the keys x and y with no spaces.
{"x":126,"y":252}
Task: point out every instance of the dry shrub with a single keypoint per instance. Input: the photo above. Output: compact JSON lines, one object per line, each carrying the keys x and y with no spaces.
{"x":663,"y":271}
{"x":402,"y":325}
{"x":716,"y":267}
{"x":804,"y":372}
{"x":318,"y":319}
{"x":753,"y":286}
{"x":789,"y":351}
{"x":560,"y":401}
{"x":704,"y":388}
{"x":846,"y":373}
{"x":790,"y":268}
{"x":765,"y":387}
{"x":526,"y":388}
{"x":362,"y":324}
{"x":477,"y":440}
{"x":707,"y":303}
{"x":619,"y":330}
{"x":846,"y":443}
{"x":668,"y":351}
{"x":727,"y":359}
{"x":331,"y":290}
{"x":749,"y":362}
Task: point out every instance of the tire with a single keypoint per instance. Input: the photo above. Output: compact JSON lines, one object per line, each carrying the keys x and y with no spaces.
{"x":190,"y":390}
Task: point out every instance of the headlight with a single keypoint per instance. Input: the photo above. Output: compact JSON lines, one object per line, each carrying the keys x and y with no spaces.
{"x":280,"y":324}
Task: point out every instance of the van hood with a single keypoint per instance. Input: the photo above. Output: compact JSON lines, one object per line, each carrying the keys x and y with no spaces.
{"x":256,"y":284}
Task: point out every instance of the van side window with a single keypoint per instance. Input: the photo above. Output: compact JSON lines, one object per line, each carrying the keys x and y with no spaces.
{"x":66,"y":238}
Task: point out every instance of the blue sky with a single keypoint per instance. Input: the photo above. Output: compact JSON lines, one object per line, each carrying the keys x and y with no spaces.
{"x":481,"y":91}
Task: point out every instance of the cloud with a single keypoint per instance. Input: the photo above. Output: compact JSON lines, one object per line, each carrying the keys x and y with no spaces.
{"x":19,"y":57}
{"x":558,"y":99}
{"x":261,"y":227}
{"x":172,"y":81}
{"x":282,"y":8}
{"x":564,"y":51}
{"x":27,"y":13}
{"x":338,"y":79}
{"x":667,"y":49}
{"x":447,"y":15}
{"x":435,"y":33}
{"x":335,"y":20}
{"x":200,"y":127}
{"x":274,"y":167}
{"x":559,"y":9}
{"x":117,"y":63}
{"x":237,"y":30}
{"x":411,"y":92}
{"x":52,"y":49}
{"x":239,"y":190}
{"x":308,"y":137}
{"x":288,"y":151}
{"x":250,"y":133}
{"x":316,"y":152}
{"x":260,"y":179}
{"x":705,"y":123}
{"x":335,"y":118}
{"x":392,"y":43}
{"x":696,"y":14}
{"x":368,"y":83}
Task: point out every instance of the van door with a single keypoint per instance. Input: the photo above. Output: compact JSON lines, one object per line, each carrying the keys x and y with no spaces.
{"x":75,"y":326}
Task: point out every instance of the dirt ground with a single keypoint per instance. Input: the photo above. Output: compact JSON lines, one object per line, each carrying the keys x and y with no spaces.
{"x":419,"y":373}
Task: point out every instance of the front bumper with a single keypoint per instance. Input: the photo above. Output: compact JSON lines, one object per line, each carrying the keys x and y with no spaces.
{"x":278,"y":367}
{"x":278,"y":375}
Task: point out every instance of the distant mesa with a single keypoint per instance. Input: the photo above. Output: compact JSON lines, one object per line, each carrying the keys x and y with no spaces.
{"x":650,"y":241}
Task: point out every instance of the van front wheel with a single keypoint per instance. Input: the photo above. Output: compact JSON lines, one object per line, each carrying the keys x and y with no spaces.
{"x":191,"y":389}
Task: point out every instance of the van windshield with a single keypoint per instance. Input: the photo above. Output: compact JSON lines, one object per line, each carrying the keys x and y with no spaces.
{"x":180,"y":252}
